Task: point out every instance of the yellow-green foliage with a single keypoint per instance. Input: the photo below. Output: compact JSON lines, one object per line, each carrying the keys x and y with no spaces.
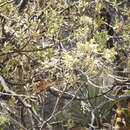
{"x":75,"y":52}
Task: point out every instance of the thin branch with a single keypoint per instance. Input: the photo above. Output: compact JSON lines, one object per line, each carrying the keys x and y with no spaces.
{"x":17,"y":123}
{"x":54,"y":110}
{"x":70,"y":96}
{"x":96,"y":110}
{"x":21,"y":51}
{"x":8,"y":113}
{"x":6,"y":88}
{"x":16,"y":95}
{"x":7,"y":2}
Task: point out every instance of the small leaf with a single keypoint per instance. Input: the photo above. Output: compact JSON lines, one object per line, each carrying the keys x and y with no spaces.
{"x":41,"y":86}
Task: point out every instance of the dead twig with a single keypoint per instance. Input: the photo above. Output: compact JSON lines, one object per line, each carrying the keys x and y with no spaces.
{"x":7,"y":2}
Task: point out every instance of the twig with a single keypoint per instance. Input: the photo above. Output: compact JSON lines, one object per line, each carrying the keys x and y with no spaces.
{"x":9,"y":114}
{"x":70,"y":96}
{"x":6,"y":88}
{"x":16,"y":95}
{"x":16,"y":122}
{"x":21,"y":51}
{"x":7,"y":2}
{"x":54,"y":110}
{"x":95,"y":111}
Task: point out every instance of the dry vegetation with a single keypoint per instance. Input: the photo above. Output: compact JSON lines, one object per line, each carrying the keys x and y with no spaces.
{"x":64,"y":64}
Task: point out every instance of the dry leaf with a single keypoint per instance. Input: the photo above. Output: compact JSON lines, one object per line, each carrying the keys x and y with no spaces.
{"x":41,"y":86}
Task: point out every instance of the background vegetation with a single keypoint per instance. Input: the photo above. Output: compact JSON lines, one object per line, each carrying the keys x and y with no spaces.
{"x":64,"y":64}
